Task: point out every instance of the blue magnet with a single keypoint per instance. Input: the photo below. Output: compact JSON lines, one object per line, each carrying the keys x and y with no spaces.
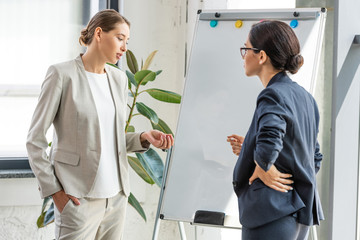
{"x":294,"y":23}
{"x":213,"y":23}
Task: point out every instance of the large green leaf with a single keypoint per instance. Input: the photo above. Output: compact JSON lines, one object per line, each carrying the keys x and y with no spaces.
{"x":153,"y":164}
{"x":131,"y":77}
{"x":131,"y":62}
{"x":163,"y":95}
{"x":46,"y":217}
{"x":135,"y":203}
{"x":147,"y":112}
{"x":162,"y":126}
{"x":130,"y":128}
{"x":50,"y":216}
{"x":149,"y":60}
{"x":45,"y":202}
{"x":40,"y":220}
{"x":143,"y":76}
{"x":158,"y":72}
{"x":139,"y":169}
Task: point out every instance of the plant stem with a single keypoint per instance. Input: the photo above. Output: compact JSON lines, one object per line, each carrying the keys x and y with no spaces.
{"x":133,"y":104}
{"x":131,"y":91}
{"x":132,"y":108}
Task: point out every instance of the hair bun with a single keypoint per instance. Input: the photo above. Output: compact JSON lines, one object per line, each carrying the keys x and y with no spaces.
{"x":84,"y":38}
{"x":294,"y":63}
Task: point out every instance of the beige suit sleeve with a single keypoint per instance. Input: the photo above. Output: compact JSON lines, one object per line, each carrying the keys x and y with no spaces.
{"x":37,"y":144}
{"x":133,"y":143}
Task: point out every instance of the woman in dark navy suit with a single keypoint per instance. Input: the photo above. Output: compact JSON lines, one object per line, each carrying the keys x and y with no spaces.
{"x":275,"y":174}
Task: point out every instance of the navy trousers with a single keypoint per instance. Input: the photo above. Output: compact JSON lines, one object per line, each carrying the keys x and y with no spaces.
{"x":286,"y":228}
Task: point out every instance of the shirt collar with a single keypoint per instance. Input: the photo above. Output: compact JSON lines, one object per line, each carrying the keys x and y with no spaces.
{"x":280,"y":76}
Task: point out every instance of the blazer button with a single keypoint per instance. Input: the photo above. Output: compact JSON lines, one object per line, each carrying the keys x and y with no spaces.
{"x":234,"y":184}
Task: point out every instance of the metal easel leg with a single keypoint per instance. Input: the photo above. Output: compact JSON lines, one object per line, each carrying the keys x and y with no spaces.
{"x":182,"y":230}
{"x":157,"y":226}
{"x":314,"y":233}
{"x":157,"y":219}
{"x":156,"y":229}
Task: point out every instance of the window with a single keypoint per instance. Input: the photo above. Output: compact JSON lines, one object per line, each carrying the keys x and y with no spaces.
{"x":35,"y":34}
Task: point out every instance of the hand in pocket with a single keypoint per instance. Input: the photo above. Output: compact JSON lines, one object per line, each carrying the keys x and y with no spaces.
{"x":60,"y":199}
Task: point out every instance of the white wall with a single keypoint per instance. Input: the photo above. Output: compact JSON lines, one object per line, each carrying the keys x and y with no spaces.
{"x":344,"y":187}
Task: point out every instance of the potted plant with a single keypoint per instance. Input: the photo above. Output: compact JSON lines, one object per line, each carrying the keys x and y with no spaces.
{"x":149,"y":165}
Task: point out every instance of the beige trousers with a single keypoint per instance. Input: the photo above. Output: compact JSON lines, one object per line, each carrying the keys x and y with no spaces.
{"x":94,"y":218}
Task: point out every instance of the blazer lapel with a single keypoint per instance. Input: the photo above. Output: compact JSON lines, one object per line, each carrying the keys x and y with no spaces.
{"x":84,"y":85}
{"x":86,"y":104}
{"x":114,"y":89}
{"x":117,"y":90}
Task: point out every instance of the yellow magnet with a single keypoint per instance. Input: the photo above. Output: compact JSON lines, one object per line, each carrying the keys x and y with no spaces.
{"x":238,"y":24}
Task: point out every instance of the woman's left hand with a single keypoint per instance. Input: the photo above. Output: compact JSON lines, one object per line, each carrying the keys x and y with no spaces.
{"x":158,"y":139}
{"x":236,"y":143}
{"x":272,"y":178}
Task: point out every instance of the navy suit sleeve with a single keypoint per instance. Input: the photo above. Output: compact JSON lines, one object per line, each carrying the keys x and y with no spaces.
{"x":318,"y":157}
{"x":271,"y":128}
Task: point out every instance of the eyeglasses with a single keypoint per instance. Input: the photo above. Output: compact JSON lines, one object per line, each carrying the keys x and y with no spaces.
{"x":243,"y":50}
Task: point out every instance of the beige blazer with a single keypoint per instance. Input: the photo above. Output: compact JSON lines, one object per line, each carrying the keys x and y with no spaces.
{"x":66,"y":102}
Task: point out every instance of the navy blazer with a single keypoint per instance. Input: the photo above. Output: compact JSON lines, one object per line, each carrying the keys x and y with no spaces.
{"x":283,"y":132}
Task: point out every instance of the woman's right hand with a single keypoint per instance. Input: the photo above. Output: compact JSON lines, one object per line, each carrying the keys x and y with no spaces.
{"x":272,"y":178}
{"x":236,"y":142}
{"x":60,"y":199}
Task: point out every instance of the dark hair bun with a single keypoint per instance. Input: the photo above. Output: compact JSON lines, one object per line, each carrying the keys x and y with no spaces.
{"x":294,"y":63}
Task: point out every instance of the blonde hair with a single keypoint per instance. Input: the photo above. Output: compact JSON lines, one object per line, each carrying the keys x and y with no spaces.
{"x":106,"y":20}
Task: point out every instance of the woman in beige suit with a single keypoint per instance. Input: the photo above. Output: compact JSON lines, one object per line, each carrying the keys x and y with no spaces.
{"x":86,"y":171}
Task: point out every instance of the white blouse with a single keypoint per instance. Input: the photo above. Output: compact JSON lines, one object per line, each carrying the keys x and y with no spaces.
{"x":107,"y":181}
